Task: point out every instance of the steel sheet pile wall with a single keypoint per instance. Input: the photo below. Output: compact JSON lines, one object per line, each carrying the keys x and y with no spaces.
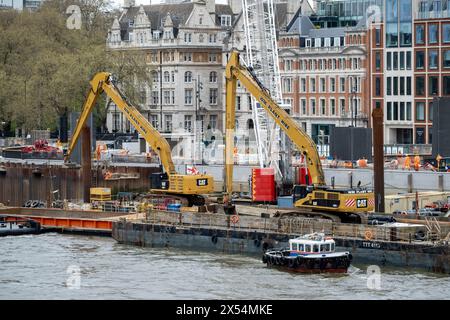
{"x":23,"y":182}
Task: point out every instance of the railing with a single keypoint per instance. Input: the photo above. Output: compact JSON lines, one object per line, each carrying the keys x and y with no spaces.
{"x":290,"y":226}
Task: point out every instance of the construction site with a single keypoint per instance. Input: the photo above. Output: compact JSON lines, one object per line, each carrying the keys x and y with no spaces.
{"x":386,"y":208}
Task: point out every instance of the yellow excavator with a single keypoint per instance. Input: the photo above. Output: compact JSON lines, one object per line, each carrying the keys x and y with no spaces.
{"x":168,"y":183}
{"x":317,"y":197}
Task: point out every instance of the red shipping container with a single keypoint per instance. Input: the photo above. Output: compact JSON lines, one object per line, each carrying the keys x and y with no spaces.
{"x":263,"y":185}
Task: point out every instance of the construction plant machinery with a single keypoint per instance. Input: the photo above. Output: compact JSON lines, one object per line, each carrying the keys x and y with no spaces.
{"x":317,"y":199}
{"x":189,"y":189}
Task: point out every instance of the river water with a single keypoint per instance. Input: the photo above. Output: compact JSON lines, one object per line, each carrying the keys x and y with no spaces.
{"x":55,"y":266}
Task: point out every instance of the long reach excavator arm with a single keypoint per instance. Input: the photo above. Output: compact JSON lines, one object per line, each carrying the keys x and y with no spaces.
{"x":102,"y":82}
{"x":167,"y":182}
{"x":318,"y":196}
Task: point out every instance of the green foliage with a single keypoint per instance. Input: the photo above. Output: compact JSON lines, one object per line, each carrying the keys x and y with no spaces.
{"x":45,"y":68}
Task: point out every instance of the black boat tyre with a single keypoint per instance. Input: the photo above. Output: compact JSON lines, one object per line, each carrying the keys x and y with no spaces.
{"x":264,"y":258}
{"x":292,"y":262}
{"x":28,"y":204}
{"x":35,"y":204}
{"x":214,"y":239}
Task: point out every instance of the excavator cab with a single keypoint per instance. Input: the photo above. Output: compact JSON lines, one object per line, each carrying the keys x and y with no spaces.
{"x":301,"y":191}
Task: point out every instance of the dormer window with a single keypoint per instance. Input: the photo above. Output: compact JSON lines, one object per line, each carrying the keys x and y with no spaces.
{"x":131,"y":23}
{"x":225,"y":21}
{"x":156,"y":35}
{"x":200,"y":20}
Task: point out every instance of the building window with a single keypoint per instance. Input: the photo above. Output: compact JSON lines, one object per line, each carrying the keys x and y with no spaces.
{"x":433,"y":86}
{"x":166,"y":95}
{"x":188,"y":96}
{"x":225,"y":21}
{"x":342,"y":85}
{"x":402,"y":86}
{"x":287,"y":84}
{"x":303,"y":106}
{"x":446,"y":86}
{"x":408,"y":86}
{"x":333,"y":107}
{"x":433,"y":59}
{"x":188,"y":77}
{"x":323,"y":85}
{"x":343,"y":104}
{"x":238,"y":103}
{"x":213,"y":121}
{"x":408,"y":111}
{"x":212,"y":96}
{"x":212,"y":38}
{"x":389,"y":60}
{"x":323,"y":108}
{"x":166,"y":76}
{"x":377,"y":87}
{"x":395,"y":60}
{"x":188,"y":37}
{"x":420,"y":59}
{"x":446,"y":58}
{"x":154,"y":97}
{"x":313,"y":85}
{"x":420,"y":111}
{"x":389,"y":111}
{"x":187,"y":57}
{"x":405,"y":13}
{"x":154,"y":121}
{"x":212,"y":57}
{"x":432,"y":33}
{"x":168,"y":123}
{"x":332,"y":85}
{"x":155,"y":78}
{"x":377,"y":37}
{"x":378,"y":61}
{"x":420,"y":34}
{"x":395,"y":111}
{"x":408,"y":60}
{"x":430,"y":112}
{"x":420,"y":86}
{"x":402,"y":60}
{"x":446,"y":31}
{"x":313,"y":106}
{"x":389,"y":86}
{"x":395,"y":89}
{"x":303,"y":85}
{"x":213,"y":77}
{"x":188,"y":123}
{"x":288,"y":65}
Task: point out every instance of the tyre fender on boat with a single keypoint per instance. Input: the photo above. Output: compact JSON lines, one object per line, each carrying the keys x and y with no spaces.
{"x":214,"y":239}
{"x":292,"y":262}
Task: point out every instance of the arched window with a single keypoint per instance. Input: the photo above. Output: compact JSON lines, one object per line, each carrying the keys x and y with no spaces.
{"x":166,"y":76}
{"x":250,"y":124}
{"x":213,"y":77}
{"x":173,"y":76}
{"x":188,"y":76}
{"x":155,"y":77}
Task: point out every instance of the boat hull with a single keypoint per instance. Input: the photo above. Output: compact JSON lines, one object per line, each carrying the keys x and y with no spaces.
{"x":308,"y":264}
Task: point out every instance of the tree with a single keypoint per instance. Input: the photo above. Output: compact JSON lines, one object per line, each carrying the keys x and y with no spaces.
{"x":45,"y":68}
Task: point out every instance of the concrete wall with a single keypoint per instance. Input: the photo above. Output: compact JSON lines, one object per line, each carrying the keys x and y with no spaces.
{"x":396,"y":181}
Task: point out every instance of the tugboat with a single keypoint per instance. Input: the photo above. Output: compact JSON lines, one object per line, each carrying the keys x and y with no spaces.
{"x":311,"y":253}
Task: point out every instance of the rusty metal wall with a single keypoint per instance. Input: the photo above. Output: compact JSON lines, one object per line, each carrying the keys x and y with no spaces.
{"x":23,"y":182}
